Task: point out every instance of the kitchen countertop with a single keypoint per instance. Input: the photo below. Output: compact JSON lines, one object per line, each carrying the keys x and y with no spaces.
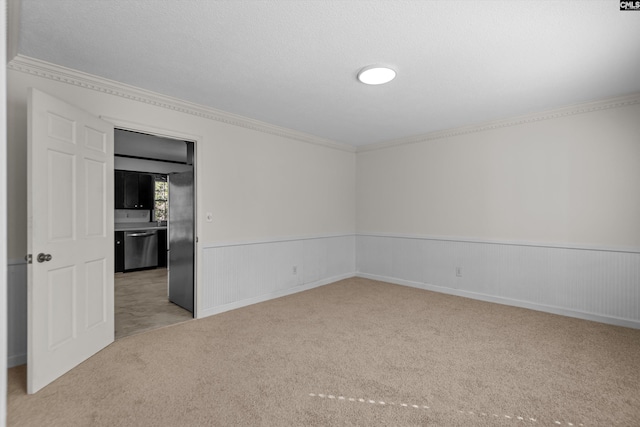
{"x":129,"y":226}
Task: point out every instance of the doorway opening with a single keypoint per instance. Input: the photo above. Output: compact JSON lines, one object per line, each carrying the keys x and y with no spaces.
{"x":154,"y":231}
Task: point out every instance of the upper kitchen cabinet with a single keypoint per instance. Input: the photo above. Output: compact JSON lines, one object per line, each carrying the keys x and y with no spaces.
{"x":133,"y":190}
{"x":145,"y":191}
{"x":119,"y":189}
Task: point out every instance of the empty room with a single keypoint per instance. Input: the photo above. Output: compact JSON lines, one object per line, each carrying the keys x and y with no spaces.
{"x":291,"y":213}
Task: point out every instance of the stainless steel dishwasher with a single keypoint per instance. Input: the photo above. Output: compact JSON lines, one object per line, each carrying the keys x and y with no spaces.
{"x":140,"y":249}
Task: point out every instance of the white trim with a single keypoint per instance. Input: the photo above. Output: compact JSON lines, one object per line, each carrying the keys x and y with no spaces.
{"x":274,"y":240}
{"x":616,"y":102}
{"x":197,"y":140}
{"x":272,"y":295}
{"x":4,"y":333}
{"x":62,"y":74}
{"x":507,"y":301}
{"x":152,"y":130}
{"x":575,"y":246}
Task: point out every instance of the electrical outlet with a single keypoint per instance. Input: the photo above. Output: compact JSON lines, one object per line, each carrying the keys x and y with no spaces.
{"x":294,"y":270}
{"x":458,"y":271}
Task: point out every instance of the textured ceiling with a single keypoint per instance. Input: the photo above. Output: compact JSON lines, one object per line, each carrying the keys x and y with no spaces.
{"x":294,"y":63}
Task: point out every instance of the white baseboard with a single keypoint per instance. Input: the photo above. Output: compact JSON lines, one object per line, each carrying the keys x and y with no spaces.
{"x":16,"y":360}
{"x":593,"y":284}
{"x":272,"y":295}
{"x":507,"y":301}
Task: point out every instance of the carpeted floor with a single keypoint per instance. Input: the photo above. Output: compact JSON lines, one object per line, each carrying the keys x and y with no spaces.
{"x":356,"y":352}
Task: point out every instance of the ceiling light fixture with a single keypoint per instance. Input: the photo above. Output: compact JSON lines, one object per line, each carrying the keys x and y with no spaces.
{"x":376,"y":75}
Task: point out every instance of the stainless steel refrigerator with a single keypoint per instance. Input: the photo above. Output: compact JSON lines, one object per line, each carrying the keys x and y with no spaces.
{"x":181,"y":235}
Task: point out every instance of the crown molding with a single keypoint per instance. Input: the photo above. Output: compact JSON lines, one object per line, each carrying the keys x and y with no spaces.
{"x":609,"y":103}
{"x":73,"y":77}
{"x":70,"y":76}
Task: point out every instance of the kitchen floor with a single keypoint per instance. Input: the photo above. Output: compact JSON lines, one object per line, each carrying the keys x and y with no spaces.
{"x":141,"y":303}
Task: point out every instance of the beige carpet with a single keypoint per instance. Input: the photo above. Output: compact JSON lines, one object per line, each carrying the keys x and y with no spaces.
{"x":141,"y":303}
{"x":356,"y":352}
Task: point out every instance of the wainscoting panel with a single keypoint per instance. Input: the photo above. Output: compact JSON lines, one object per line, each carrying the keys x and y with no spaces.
{"x":236,"y":275}
{"x":601,"y":285}
{"x":16,"y":313}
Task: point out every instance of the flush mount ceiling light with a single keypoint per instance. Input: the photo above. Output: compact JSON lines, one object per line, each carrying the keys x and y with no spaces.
{"x":376,"y":75}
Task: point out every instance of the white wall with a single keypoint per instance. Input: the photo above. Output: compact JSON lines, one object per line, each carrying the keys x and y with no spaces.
{"x":258,"y":185}
{"x":541,"y":212}
{"x":263,"y":184}
{"x":567,"y":180}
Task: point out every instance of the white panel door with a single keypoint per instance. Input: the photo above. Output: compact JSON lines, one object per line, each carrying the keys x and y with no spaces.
{"x":70,"y":237}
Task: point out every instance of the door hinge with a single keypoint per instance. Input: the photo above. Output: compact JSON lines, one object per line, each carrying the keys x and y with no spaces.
{"x":28,"y":258}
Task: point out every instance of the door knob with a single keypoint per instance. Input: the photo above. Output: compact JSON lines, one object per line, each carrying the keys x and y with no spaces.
{"x":44,"y":257}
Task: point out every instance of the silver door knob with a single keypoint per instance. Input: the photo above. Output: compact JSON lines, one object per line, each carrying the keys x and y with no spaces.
{"x":43,"y":257}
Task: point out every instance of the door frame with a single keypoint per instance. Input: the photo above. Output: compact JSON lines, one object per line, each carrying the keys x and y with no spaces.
{"x":182,"y":136}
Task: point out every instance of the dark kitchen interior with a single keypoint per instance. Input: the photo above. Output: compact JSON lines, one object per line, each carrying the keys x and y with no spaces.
{"x":152,"y":289}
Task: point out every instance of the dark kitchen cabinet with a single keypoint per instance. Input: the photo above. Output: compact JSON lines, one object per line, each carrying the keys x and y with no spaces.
{"x":119,"y":189}
{"x":162,"y":248}
{"x":119,"y":246}
{"x":133,"y":190}
{"x":145,"y":191}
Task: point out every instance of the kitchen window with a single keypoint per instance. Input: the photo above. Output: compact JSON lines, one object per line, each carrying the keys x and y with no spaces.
{"x":161,"y":199}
